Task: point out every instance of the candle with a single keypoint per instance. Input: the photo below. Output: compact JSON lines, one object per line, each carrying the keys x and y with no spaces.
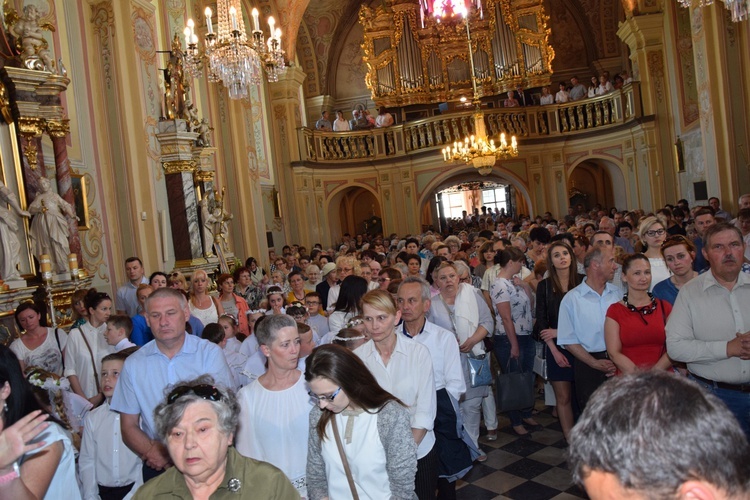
{"x":186,"y":32}
{"x":73,"y":262}
{"x":256,"y":22}
{"x":277,"y":35}
{"x":209,"y":24}
{"x":271,"y":23}
{"x":233,"y":18}
{"x":45,"y":263}
{"x":191,"y":25}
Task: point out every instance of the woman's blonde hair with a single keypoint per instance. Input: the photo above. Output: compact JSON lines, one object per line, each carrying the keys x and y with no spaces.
{"x":647,"y":222}
{"x":381,"y":301}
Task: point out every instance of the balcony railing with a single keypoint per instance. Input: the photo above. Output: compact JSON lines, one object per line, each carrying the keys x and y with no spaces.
{"x":532,"y":122}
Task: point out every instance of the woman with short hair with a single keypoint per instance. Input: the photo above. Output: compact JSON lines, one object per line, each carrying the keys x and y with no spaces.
{"x":275,"y":407}
{"x":197,"y":422}
{"x":679,"y":254}
{"x":371,"y":424}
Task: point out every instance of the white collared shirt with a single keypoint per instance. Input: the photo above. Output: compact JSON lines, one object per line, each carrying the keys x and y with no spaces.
{"x":123,"y":344}
{"x":446,"y":359}
{"x":104,"y":458}
{"x":408,"y":376}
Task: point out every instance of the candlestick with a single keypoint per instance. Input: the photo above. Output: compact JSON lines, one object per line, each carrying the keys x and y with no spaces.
{"x":233,"y":18}
{"x":209,"y":24}
{"x":45,"y":263}
{"x":73,"y":262}
{"x":256,"y":22}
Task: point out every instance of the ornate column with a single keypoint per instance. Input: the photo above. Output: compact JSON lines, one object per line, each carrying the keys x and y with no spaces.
{"x":179,"y":165}
{"x":29,"y":131}
{"x":58,"y":130}
{"x":286,"y":114}
{"x":644,"y":35}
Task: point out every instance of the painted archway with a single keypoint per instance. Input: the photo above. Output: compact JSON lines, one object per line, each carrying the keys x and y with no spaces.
{"x":349,"y":208}
{"x":602,"y":178}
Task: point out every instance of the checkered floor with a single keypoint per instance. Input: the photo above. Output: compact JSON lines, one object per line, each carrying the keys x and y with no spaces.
{"x":520,"y":468}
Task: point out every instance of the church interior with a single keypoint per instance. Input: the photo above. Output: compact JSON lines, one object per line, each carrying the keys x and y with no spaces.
{"x":129,"y":129}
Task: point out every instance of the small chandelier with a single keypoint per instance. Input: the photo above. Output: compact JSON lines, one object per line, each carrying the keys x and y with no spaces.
{"x":233,"y":59}
{"x":475,"y":149}
{"x":738,"y":8}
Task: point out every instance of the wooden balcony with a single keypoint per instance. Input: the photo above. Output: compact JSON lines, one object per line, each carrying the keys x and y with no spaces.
{"x":533,"y":123}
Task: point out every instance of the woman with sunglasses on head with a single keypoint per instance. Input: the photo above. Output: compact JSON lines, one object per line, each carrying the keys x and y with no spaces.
{"x":371,"y":425}
{"x":679,"y":254}
{"x":275,"y":407}
{"x":197,"y":423}
{"x":634,"y":330}
{"x":652,"y":232}
{"x":86,"y":348}
{"x":563,"y":277}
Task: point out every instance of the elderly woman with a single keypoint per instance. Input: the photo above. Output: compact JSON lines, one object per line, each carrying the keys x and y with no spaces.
{"x":461,"y":309}
{"x":375,"y":434}
{"x":197,"y":422}
{"x":275,"y":407}
{"x":245,"y":287}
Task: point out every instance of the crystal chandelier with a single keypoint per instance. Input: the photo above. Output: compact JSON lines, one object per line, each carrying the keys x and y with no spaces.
{"x":476,"y":149}
{"x":232,"y":58}
{"x":738,"y":8}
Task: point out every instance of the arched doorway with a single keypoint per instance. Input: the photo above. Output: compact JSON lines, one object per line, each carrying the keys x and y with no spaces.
{"x":354,"y":210}
{"x":590,"y":184}
{"x":517,"y":197}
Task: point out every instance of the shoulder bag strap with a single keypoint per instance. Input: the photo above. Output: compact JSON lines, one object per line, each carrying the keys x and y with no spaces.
{"x":59,"y":348}
{"x":93,"y":363}
{"x":344,"y":461}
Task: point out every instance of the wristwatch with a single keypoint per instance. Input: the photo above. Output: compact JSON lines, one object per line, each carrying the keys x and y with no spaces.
{"x":10,"y":476}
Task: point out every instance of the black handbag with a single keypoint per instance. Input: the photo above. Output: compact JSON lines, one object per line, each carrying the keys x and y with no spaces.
{"x":515,"y":391}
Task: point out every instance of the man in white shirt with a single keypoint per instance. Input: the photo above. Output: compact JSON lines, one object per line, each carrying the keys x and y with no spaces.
{"x":580,"y":327}
{"x":126,"y":302}
{"x":414,"y":302}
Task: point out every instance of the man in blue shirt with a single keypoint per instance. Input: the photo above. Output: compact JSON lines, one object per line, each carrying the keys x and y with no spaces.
{"x":580,"y":327}
{"x":172,"y":356}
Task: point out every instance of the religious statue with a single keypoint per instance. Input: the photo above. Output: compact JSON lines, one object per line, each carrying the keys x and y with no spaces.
{"x":207,"y":229}
{"x":49,"y":226}
{"x":191,"y":115}
{"x":10,"y":247}
{"x":33,"y":47}
{"x":204,"y":131}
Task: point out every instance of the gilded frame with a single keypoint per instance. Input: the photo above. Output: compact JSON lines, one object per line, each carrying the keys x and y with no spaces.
{"x":78,"y":184}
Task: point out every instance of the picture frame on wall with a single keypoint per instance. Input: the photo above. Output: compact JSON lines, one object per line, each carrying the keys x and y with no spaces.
{"x":78,"y":182}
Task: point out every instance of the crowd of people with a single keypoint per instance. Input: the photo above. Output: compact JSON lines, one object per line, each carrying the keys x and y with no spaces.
{"x":361,"y":120}
{"x":352,"y":371}
{"x":573,"y":90}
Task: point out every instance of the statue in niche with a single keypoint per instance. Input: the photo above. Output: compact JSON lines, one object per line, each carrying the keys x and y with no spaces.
{"x":33,"y":48}
{"x":221,"y":218}
{"x":10,"y":247}
{"x":49,"y":226}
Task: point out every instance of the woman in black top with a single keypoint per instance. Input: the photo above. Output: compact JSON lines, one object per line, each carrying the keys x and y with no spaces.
{"x":563,"y":277}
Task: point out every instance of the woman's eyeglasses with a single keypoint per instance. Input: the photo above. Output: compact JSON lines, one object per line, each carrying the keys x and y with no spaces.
{"x":318,"y":399}
{"x":203,"y":391}
{"x":655,"y":232}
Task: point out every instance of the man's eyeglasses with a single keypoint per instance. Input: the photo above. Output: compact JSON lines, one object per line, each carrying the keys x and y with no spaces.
{"x":317,"y":399}
{"x":204,"y":391}
{"x":384,"y":280}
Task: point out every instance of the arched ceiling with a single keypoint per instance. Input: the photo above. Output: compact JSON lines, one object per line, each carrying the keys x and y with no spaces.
{"x":583,"y":31}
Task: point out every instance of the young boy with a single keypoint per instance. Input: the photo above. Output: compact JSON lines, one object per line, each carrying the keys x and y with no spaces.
{"x":109,"y":470}
{"x":316,"y":320}
{"x":118,"y":331}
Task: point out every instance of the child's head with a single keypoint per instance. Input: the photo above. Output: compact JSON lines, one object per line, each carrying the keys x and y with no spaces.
{"x":312,"y":302}
{"x":119,"y":327}
{"x":214,"y":332}
{"x":253,"y":318}
{"x":298,"y":311}
{"x":111,"y":369}
{"x":306,"y":339}
{"x":229,"y":324}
